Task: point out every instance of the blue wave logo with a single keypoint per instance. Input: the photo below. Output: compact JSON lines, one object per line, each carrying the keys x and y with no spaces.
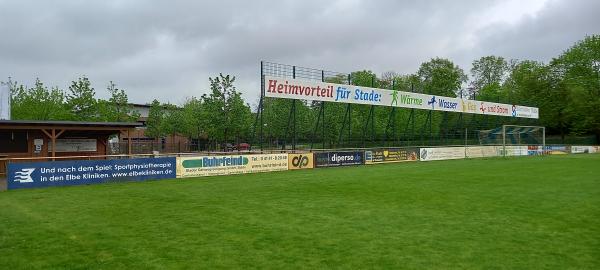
{"x":24,"y":176}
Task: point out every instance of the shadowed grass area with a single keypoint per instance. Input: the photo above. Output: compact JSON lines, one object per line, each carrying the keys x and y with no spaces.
{"x":518,"y":213}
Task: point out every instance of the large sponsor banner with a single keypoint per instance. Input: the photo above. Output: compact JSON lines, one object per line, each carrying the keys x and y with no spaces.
{"x":231,"y":164}
{"x":441,"y":153}
{"x":74,"y":145}
{"x":557,"y":150}
{"x":301,"y":161}
{"x":583,"y":149}
{"x":391,"y":155}
{"x":340,"y":158}
{"x":481,"y":151}
{"x":79,"y":172}
{"x":278,"y":87}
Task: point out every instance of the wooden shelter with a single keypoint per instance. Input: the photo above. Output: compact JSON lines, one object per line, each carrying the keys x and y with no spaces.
{"x":34,"y":138}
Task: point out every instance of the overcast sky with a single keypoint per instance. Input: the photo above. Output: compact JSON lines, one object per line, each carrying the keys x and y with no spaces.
{"x":168,"y":49}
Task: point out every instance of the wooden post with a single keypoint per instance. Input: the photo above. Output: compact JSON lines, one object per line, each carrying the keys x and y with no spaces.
{"x":53,"y":144}
{"x":129,"y":141}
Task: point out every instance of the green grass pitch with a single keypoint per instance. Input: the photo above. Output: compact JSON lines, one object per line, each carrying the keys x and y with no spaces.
{"x":515,"y":213}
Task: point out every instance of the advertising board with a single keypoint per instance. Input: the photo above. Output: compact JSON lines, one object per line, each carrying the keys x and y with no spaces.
{"x":301,"y":161}
{"x":513,"y":150}
{"x":79,"y":172}
{"x":74,"y":145}
{"x":230,"y":164}
{"x":557,"y":150}
{"x":339,"y":158}
{"x":279,"y":87}
{"x":481,"y":151}
{"x":535,"y":150}
{"x":441,"y":153}
{"x":582,"y":149}
{"x":385,"y":155}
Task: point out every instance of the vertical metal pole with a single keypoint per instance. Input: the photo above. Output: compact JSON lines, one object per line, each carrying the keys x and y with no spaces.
{"x":294,"y":137}
{"x":395,"y":126}
{"x":260,"y":104}
{"x":10,"y":92}
{"x":372,"y":123}
{"x":349,"y":122}
{"x":314,"y":133}
{"x":294,"y":117}
{"x":323,"y":112}
{"x":431,"y":127}
{"x":342,"y":127}
{"x":373,"y":114}
{"x":465,"y":143}
{"x":349,"y":113}
{"x":543,"y":139}
{"x":504,"y":140}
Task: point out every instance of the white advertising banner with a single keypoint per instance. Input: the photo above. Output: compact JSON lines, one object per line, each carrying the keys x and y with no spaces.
{"x":520,"y":150}
{"x":232,"y":164}
{"x":74,"y":145}
{"x":442,"y":153}
{"x":481,"y":151}
{"x":4,"y":102}
{"x":278,"y":87}
{"x":583,"y":149}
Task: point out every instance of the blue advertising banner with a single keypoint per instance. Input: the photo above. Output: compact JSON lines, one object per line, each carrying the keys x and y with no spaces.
{"x":79,"y":172}
{"x":557,"y":149}
{"x":332,"y":159}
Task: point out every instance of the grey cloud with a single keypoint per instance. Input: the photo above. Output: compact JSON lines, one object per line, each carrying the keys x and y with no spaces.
{"x":168,"y":49}
{"x":544,"y":35}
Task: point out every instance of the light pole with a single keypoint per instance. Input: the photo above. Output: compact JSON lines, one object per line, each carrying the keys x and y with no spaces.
{"x":596,"y":65}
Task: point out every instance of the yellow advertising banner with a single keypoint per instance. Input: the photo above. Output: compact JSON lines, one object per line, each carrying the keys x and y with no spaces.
{"x":301,"y":161}
{"x":232,"y":164}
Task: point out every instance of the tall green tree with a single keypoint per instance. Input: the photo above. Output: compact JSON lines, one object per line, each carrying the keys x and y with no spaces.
{"x":38,"y":103}
{"x":226,"y":112}
{"x":81,"y":100}
{"x":441,"y":77}
{"x":117,"y":107}
{"x":487,"y":76}
{"x":578,"y":72}
{"x":154,"y":123}
{"x":174,"y":121}
{"x":193,"y":118}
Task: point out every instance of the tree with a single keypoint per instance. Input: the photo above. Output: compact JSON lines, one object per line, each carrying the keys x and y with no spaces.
{"x":154,"y":123}
{"x":364,"y":78}
{"x":225,"y":110}
{"x":488,"y":74}
{"x":578,"y":70}
{"x":173,"y":120}
{"x":533,"y":83}
{"x":389,"y":79}
{"x":441,"y":77}
{"x":38,"y":103}
{"x":193,"y":118}
{"x":116,"y":108}
{"x":81,"y":100}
